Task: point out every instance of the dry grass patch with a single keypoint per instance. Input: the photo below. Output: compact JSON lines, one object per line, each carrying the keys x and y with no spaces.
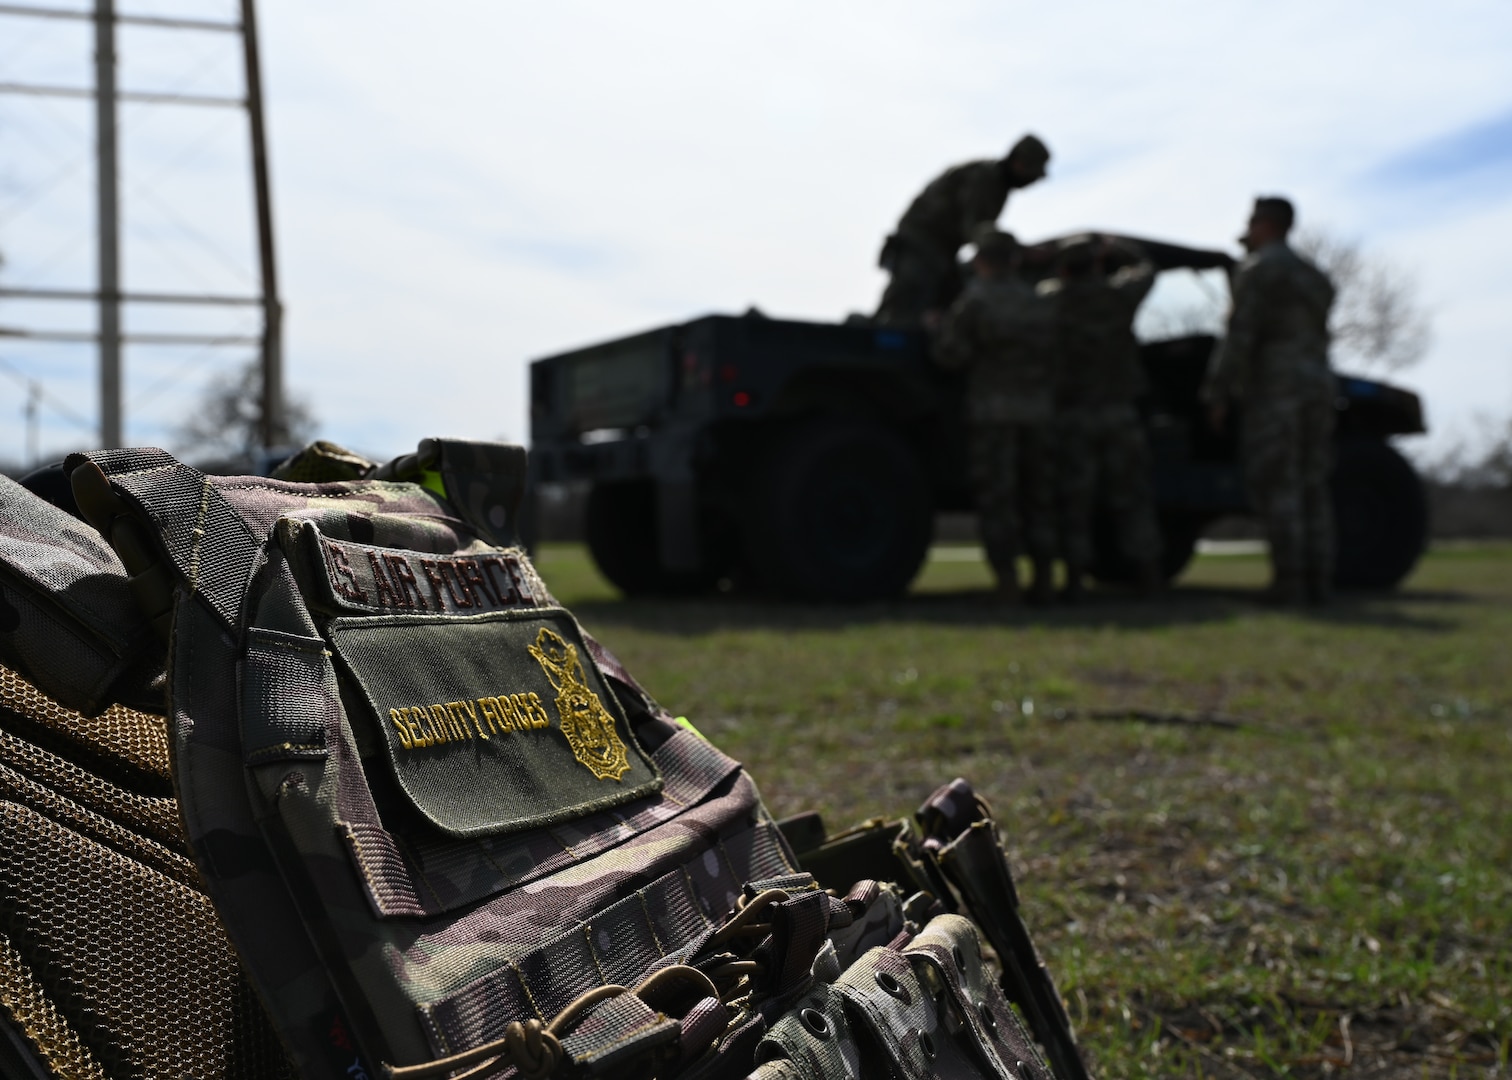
{"x":1323,"y":887}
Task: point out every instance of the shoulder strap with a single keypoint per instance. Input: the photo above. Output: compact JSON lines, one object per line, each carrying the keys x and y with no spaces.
{"x":206,"y":542}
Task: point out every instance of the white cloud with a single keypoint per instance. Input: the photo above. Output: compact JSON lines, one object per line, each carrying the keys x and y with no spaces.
{"x":462,"y":187}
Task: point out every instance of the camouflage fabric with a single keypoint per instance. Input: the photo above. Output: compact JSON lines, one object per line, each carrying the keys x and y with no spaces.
{"x":1274,"y":361}
{"x":378,"y":929}
{"x":1102,"y":451}
{"x":948,"y":210}
{"x":1013,"y":479}
{"x":1276,"y":345}
{"x":322,"y":462}
{"x":68,"y":620}
{"x":921,"y":1006}
{"x":1002,"y":335}
{"x":921,"y":255}
{"x":923,"y":278}
{"x":1000,"y":332}
{"x":1287,"y":448}
{"x":444,"y":829}
{"x":1098,"y":356}
{"x":1100,"y":443}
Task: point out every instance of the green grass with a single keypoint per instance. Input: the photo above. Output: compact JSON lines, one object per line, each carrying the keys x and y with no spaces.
{"x":1325,"y":888}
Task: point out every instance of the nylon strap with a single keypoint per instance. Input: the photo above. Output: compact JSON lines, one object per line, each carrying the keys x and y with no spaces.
{"x":208,"y":543}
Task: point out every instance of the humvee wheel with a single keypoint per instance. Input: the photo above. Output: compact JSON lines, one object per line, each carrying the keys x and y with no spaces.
{"x":1380,"y":515}
{"x":1179,"y":533}
{"x":622,"y":537}
{"x":841,"y":511}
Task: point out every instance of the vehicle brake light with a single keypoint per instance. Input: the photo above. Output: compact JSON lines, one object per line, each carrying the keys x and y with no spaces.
{"x":741,"y":399}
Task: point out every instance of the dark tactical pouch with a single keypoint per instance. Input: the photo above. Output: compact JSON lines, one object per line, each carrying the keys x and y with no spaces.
{"x":451,"y":836}
{"x":66,"y":610}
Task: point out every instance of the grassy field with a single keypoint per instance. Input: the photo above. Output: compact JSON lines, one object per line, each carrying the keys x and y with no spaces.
{"x":1321,"y":886}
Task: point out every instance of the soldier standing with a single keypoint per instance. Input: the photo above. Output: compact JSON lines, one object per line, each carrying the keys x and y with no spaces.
{"x":1100,"y":442}
{"x":920,"y":255}
{"x":1000,"y":331}
{"x":1274,"y":362}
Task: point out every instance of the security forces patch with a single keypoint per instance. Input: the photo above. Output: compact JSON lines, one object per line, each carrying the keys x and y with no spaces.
{"x":494,"y":723}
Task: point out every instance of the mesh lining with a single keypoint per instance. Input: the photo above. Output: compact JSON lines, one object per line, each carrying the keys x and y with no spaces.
{"x":113,"y":963}
{"x":153,"y":816}
{"x":26,"y":1002}
{"x":125,"y":736}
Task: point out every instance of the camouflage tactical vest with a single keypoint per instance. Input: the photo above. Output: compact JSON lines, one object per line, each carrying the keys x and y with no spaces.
{"x":449,"y":835}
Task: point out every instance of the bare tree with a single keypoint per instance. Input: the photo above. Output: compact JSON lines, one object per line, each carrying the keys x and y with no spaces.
{"x":1161,"y":322}
{"x":227,"y":420}
{"x":1378,"y":319}
{"x":1480,"y":458}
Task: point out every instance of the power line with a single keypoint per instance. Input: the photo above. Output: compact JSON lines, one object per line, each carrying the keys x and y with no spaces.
{"x":84,"y":337}
{"x":43,"y":293}
{"x":28,"y":199}
{"x":145,"y":97}
{"x":108,"y":100}
{"x":34,"y":385}
{"x":151,"y":391}
{"x":159,"y":21}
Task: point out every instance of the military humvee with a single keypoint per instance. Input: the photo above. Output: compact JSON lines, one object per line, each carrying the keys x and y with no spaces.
{"x":810,"y":459}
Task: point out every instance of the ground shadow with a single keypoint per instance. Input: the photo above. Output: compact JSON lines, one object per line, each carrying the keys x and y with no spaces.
{"x":1184,"y":605}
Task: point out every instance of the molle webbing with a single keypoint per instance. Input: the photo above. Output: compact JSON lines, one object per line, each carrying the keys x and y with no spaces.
{"x":208,"y":543}
{"x":440,"y":822}
{"x":414,"y":793}
{"x":113,"y":963}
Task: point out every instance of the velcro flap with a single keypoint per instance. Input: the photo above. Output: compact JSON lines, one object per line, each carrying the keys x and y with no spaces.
{"x":494,"y":723}
{"x":289,"y":697}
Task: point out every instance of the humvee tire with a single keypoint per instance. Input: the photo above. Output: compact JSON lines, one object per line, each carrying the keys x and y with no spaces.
{"x":1179,"y":533}
{"x":1380,"y":515}
{"x":841,"y":510}
{"x":621,"y":527}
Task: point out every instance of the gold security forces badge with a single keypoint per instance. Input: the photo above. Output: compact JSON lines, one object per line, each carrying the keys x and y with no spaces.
{"x":588,"y":726}
{"x":586,"y":723}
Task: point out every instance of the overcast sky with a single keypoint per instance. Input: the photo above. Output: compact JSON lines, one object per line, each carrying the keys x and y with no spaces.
{"x":461,"y":187}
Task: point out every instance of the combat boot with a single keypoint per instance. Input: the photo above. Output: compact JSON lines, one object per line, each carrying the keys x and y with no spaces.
{"x":1007,"y":591}
{"x":1042,"y":586}
{"x":1075,"y":589}
{"x":1285,"y":590}
{"x":1149,"y":582}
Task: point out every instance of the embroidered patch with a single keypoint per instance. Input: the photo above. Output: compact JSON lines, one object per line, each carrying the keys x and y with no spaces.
{"x":492,"y":723}
{"x":588,"y":726}
{"x":361,"y":577}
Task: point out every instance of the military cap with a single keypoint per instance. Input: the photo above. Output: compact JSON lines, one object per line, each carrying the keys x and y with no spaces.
{"x":995,"y":245}
{"x":1030,"y":149}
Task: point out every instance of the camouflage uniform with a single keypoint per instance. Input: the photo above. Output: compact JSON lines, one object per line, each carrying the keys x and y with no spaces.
{"x":921,"y":253}
{"x":1274,"y":362}
{"x":1100,"y":441}
{"x":1000,"y":332}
